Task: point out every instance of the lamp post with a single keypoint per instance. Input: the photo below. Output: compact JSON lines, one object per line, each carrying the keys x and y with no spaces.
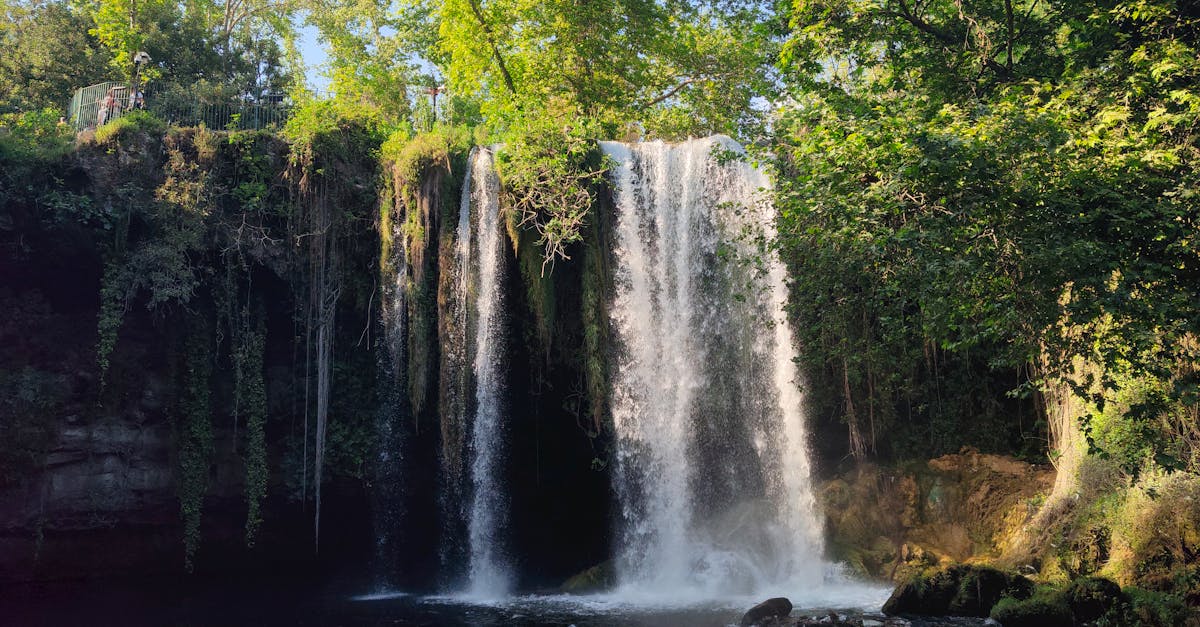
{"x":140,"y":59}
{"x":434,"y":92}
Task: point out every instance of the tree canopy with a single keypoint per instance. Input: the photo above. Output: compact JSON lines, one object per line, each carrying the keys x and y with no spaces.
{"x":973,"y":194}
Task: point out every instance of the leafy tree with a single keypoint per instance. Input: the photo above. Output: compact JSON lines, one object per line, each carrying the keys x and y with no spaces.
{"x":372,"y":46}
{"x":1019,"y":191}
{"x":676,"y":67}
{"x":47,"y":53}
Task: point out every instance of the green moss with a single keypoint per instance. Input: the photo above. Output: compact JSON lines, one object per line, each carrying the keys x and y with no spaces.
{"x":1153,"y":609}
{"x":251,"y":398}
{"x":1091,"y":598}
{"x":112,"y":314}
{"x":421,"y":197}
{"x":30,"y":398}
{"x":1044,"y":608}
{"x":595,"y":290}
{"x":540,"y":288}
{"x":595,"y":579}
{"x":129,"y":125}
{"x":960,"y":590}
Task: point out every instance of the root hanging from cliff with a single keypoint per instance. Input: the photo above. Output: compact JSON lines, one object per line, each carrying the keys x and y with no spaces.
{"x":325,"y":288}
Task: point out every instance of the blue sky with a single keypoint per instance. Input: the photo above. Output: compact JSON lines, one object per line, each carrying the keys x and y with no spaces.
{"x":313,"y":54}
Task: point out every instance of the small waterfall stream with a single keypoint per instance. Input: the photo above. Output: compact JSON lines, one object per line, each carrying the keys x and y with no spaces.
{"x":454,"y":391}
{"x":488,"y":576}
{"x":712,"y":469}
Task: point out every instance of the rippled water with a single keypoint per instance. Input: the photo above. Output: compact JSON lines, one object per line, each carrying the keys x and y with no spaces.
{"x":263,"y":601}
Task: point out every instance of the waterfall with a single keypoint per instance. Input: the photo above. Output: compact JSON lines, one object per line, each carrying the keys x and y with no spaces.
{"x":389,"y":492}
{"x":712,"y":471}
{"x":454,"y":378}
{"x":487,"y":571}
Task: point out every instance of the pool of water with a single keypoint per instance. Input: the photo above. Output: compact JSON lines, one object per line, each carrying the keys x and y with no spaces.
{"x":269,"y":601}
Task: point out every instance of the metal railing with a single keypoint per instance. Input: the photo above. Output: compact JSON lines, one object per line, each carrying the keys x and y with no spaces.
{"x":96,"y":105}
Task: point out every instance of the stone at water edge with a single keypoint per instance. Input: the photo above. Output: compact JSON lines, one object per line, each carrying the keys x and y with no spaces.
{"x":769,"y":610}
{"x":595,"y":579}
{"x":959,"y":590}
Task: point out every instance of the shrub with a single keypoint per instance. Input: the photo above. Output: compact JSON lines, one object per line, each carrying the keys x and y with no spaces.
{"x":33,"y":136}
{"x":132,"y":123}
{"x":1093,"y":597}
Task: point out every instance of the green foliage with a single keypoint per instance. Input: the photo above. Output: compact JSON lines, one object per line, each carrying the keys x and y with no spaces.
{"x":1151,"y":609}
{"x":549,"y":169}
{"x":371,"y":45}
{"x":33,"y":148}
{"x":48,"y":53}
{"x":334,"y":130}
{"x":29,"y":400}
{"x":195,"y":434}
{"x":33,"y":136}
{"x":251,"y":401}
{"x":239,"y":43}
{"x":1046,"y":607}
{"x":676,"y":67}
{"x":993,"y":189}
{"x":132,"y":123}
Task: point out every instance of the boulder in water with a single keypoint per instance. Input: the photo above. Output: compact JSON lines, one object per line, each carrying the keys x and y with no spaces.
{"x":599,"y":577}
{"x":768,"y":612}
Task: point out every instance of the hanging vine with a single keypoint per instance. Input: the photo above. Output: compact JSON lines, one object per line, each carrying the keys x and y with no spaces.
{"x":113,"y":306}
{"x":194,"y":434}
{"x":312,"y":232}
{"x":247,"y":333}
{"x":252,"y":395}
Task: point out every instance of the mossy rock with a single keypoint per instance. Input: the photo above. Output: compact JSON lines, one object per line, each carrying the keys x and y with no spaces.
{"x":597,"y":578}
{"x":958,"y":590}
{"x":1154,"y":609}
{"x":1091,"y":598}
{"x":1042,"y":610}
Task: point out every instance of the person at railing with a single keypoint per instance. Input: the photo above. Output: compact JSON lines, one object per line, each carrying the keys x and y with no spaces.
{"x":106,"y":107}
{"x":138,"y":101}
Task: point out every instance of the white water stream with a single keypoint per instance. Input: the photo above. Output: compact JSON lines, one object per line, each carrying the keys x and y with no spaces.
{"x":713,"y":475}
{"x":488,"y":575}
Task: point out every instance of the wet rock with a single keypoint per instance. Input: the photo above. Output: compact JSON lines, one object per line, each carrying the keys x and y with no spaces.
{"x":1092,"y":597}
{"x":768,"y":612}
{"x":1039,"y":611}
{"x":594,"y":579}
{"x":957,"y":591}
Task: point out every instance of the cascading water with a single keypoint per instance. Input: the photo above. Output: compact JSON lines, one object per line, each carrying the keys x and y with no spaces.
{"x":711,"y":465}
{"x":389,"y":492}
{"x":487,"y":573}
{"x":712,"y":470}
{"x":454,"y":381}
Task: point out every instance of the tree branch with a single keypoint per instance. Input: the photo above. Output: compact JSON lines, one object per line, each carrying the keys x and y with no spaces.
{"x":491,"y":39}
{"x":671,"y":92}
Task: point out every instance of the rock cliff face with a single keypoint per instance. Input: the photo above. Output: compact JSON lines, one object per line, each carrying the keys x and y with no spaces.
{"x":892,"y":523}
{"x":91,"y":473}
